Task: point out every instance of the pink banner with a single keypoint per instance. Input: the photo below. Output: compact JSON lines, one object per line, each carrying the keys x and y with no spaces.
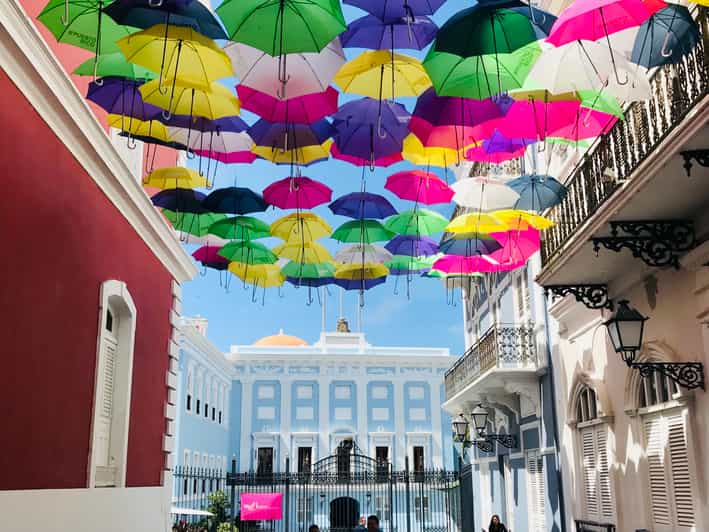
{"x":261,"y":506}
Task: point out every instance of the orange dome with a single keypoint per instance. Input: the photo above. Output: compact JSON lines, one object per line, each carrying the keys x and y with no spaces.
{"x":280,"y":340}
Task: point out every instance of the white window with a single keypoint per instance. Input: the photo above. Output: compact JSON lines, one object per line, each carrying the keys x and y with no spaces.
{"x":304,"y":511}
{"x":536,"y":493}
{"x":380,"y":414}
{"x":343,"y":414}
{"x":382,"y":509}
{"x":380,"y":392}
{"x":343,"y":392}
{"x":421,"y":509}
{"x":200,"y":383}
{"x":417,"y":414}
{"x":304,"y":413}
{"x":304,"y":391}
{"x":266,"y":392}
{"x":417,"y":392}
{"x":190,"y":388}
{"x":113,"y":377}
{"x":266,"y":412}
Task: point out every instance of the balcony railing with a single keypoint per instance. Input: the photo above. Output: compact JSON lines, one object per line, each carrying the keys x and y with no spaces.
{"x":676,"y":89}
{"x":502,"y":346}
{"x":593,"y":526}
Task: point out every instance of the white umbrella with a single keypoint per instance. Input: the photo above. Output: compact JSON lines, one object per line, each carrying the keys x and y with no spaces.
{"x":189,"y":511}
{"x":306,"y":73}
{"x":222,"y":142}
{"x":589,"y":65}
{"x":483,"y":193}
{"x":358,"y":253}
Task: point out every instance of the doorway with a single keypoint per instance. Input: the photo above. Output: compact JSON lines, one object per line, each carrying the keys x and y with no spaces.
{"x":344,"y":514}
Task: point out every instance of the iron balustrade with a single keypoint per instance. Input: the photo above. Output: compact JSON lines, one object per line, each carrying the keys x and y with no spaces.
{"x":593,"y":526}
{"x":501,"y":346}
{"x":676,"y":90}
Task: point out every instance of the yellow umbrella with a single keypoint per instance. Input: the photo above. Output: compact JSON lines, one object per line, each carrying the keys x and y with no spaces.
{"x":370,"y":74}
{"x":525,"y":94}
{"x":305,"y":253}
{"x":300,"y":227}
{"x":477,"y":222}
{"x":263,"y":275}
{"x":520,"y":220}
{"x":139,"y":128}
{"x":415,"y":152}
{"x":177,"y":53}
{"x":174,"y":177}
{"x":302,"y":156}
{"x":214,"y":103}
{"x":355,"y":271}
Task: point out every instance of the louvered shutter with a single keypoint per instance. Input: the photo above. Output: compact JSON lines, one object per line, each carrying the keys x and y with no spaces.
{"x":588,"y":448}
{"x":536,"y":493}
{"x":105,"y":469}
{"x":679,"y":466}
{"x":655,"y":449}
{"x":604,"y":481}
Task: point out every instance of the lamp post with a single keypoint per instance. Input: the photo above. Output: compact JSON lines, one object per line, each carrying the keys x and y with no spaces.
{"x":482,"y":440}
{"x":626,"y":328}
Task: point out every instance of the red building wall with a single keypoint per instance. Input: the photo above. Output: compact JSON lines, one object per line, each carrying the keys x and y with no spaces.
{"x":61,"y":238}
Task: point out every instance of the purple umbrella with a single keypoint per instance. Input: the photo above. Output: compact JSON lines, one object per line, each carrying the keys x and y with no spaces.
{"x":359,"y":284}
{"x":231,"y":124}
{"x":397,"y":9}
{"x":180,"y":200}
{"x":289,"y":136}
{"x":120,"y":96}
{"x":498,"y":143}
{"x":376,"y":34}
{"x":476,"y":244}
{"x":369,"y":111}
{"x":412,"y":246}
{"x":453,"y":111}
{"x":360,"y":205}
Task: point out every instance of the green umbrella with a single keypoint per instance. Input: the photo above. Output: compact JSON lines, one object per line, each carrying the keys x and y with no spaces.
{"x":113,"y":65}
{"x":601,"y":101}
{"x":248,"y":253}
{"x":308,"y":271}
{"x":568,"y":142}
{"x":362,"y":231}
{"x":416,"y":222}
{"x":281,"y":27}
{"x":194,"y":224}
{"x":404,"y":262}
{"x":480,"y":76}
{"x":240,"y":228}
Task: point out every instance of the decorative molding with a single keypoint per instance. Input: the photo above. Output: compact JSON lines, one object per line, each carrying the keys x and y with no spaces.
{"x":593,"y":296}
{"x":689,"y":375}
{"x":701,"y":157}
{"x":657,"y":243}
{"x":33,"y":68}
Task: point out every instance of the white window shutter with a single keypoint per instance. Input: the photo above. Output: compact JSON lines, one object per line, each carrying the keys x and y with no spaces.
{"x":605,"y":494}
{"x":536,"y":493}
{"x":679,"y":466}
{"x":108,"y":377}
{"x":655,"y":449}
{"x":588,"y":449}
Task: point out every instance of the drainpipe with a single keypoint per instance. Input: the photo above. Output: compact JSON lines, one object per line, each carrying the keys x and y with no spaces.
{"x":550,"y":366}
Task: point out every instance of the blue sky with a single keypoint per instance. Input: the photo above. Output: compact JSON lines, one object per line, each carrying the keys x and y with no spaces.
{"x":427,"y":318}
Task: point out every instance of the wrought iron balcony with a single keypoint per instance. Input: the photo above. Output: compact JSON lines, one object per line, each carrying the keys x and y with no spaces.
{"x":614,"y":158}
{"x":502,"y":346}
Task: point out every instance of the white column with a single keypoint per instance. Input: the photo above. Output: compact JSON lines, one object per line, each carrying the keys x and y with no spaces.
{"x":361,"y":421}
{"x":436,"y":428}
{"x":246,"y":452}
{"x":399,"y":444}
{"x":285,"y":408}
{"x":323,"y":419}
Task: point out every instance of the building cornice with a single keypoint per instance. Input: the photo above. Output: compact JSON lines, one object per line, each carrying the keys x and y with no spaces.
{"x":201,"y":344}
{"x":35,"y":70}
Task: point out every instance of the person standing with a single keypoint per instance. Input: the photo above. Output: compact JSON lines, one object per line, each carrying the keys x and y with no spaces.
{"x":313,"y":528}
{"x":496,"y":525}
{"x":373,"y":524}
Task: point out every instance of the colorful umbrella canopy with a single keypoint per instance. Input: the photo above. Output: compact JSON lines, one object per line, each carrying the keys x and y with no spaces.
{"x":364,"y":142}
{"x":383,"y":161}
{"x":360,"y":205}
{"x":147,"y":13}
{"x":248,"y":252}
{"x":240,"y":228}
{"x":419,"y":186}
{"x":246,"y":157}
{"x":362,"y":232}
{"x":300,"y":270}
{"x":222,"y":142}
{"x":521,"y":220}
{"x":359,"y":283}
{"x":180,"y":99}
{"x":120,"y":96}
{"x":113,"y":64}
{"x":402,"y":264}
{"x":469,"y":245}
{"x":371,"y":111}
{"x":300,"y":227}
{"x":483,"y":194}
{"x":480,"y":154}
{"x":499,"y":143}
{"x":209,"y":256}
{"x":305,"y":252}
{"x":374,"y":33}
{"x":362,"y":253}
{"x":177,"y":53}
{"x":301,"y":155}
{"x":384,"y":75}
{"x":356,"y":272}
{"x":297,"y":193}
{"x":397,"y":9}
{"x":416,"y":222}
{"x":666,"y":37}
{"x":311,"y":282}
{"x":284,"y":136}
{"x":234,"y":200}
{"x":283,"y":26}
{"x":304,"y":109}
{"x":179,"y":200}
{"x":476,"y":222}
{"x":537,"y":192}
{"x":260,"y":275}
{"x":412,"y":246}
{"x":174,"y":177}
{"x":289,"y":76}
{"x":415,"y":152}
{"x":516,"y":246}
{"x":460,"y":265}
{"x":197,"y":224}
{"x":140,"y":129}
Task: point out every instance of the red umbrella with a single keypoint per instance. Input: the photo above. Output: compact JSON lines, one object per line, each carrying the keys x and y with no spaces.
{"x":419,"y":186}
{"x":305,"y":109}
{"x":297,"y":193}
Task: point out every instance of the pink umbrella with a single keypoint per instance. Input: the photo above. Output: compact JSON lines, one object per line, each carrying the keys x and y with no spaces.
{"x":535,"y":119}
{"x":234,"y":157}
{"x":297,"y":193}
{"x":419,"y":186}
{"x":589,"y":123}
{"x":357,"y":161}
{"x":517,"y":246}
{"x":591,"y":20}
{"x":456,"y":264}
{"x":305,"y":109}
{"x":209,"y":255}
{"x":479,"y":154}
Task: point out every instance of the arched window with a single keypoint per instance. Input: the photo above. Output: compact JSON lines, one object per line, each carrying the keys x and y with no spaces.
{"x":190,"y":388}
{"x":207,"y":390}
{"x":215,"y":395}
{"x":594,"y":458}
{"x":198,"y":394}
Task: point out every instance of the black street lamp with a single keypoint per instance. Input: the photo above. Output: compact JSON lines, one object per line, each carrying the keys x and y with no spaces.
{"x":626,"y":328}
{"x":482,"y":440}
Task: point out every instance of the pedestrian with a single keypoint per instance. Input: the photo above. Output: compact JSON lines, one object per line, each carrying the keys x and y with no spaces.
{"x":373,"y":524}
{"x":496,"y":525}
{"x":362,"y":526}
{"x":313,"y":528}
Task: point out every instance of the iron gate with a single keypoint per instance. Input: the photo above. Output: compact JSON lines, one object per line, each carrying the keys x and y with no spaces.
{"x":335,"y":493}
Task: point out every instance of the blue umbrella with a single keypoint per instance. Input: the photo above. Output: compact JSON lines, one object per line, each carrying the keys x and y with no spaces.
{"x":537,"y":192}
{"x":359,"y":284}
{"x":180,"y":200}
{"x":473,"y":244}
{"x":234,"y":200}
{"x":666,"y":37}
{"x":360,"y":205}
{"x":376,"y":34}
{"x":397,"y":9}
{"x":412,"y":246}
{"x":315,"y":282}
{"x":287,"y":136}
{"x":120,"y":96}
{"x":148,"y":13}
